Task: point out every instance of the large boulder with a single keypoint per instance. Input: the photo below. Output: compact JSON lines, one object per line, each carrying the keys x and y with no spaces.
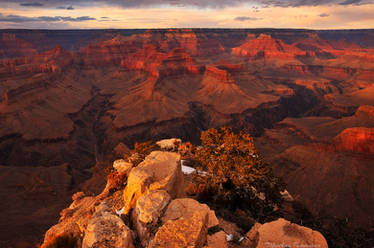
{"x":106,"y":229}
{"x":184,"y":232}
{"x":282,"y":233}
{"x":159,"y":171}
{"x":147,"y":212}
{"x":185,"y":207}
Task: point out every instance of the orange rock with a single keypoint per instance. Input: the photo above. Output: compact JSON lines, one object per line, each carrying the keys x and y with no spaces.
{"x":122,"y":167}
{"x":185,"y":207}
{"x":357,"y":139}
{"x":282,"y":233}
{"x":265,"y":46}
{"x":217,"y":240}
{"x":159,"y":171}
{"x":221,"y":75}
{"x":147,"y":212}
{"x":184,"y":232}
{"x":106,"y":230}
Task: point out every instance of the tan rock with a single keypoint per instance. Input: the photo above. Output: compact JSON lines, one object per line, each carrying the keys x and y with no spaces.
{"x":159,"y":171}
{"x":169,"y":144}
{"x":217,"y":240}
{"x":106,"y":229}
{"x":137,"y":184}
{"x":282,"y":233}
{"x":252,"y":237}
{"x":73,"y":220}
{"x":184,"y":232}
{"x":185,"y":207}
{"x":147,"y":211}
{"x":122,"y":167}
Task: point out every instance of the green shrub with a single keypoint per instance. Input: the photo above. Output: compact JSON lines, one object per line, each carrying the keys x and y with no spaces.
{"x":234,"y":175}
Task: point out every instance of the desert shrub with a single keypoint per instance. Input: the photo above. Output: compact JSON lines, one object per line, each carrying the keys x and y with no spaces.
{"x":233,"y":175}
{"x":141,"y":150}
{"x":116,"y":181}
{"x":67,"y":240}
{"x":186,"y":150}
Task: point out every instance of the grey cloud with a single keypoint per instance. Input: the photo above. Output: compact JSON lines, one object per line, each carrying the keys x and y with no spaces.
{"x":324,"y":15}
{"x":246,"y":18}
{"x":65,"y":7}
{"x":350,"y":2}
{"x":22,"y":19}
{"x":35,"y":4}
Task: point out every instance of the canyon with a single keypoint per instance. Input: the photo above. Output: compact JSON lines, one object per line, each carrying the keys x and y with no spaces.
{"x":69,"y":98}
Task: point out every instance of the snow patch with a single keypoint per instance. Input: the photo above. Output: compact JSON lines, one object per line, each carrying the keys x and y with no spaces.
{"x":120,"y":212}
{"x":229,"y":237}
{"x":187,"y":170}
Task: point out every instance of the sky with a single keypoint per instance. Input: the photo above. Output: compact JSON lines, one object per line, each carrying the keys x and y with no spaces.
{"x":127,"y":14}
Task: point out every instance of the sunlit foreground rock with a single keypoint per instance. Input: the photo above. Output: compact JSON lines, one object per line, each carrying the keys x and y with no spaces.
{"x":282,"y":233}
{"x":142,"y":207}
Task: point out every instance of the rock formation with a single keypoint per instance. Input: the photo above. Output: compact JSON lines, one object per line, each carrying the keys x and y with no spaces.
{"x":105,"y":229}
{"x":282,"y":233}
{"x":158,"y":218}
{"x":159,"y":171}
{"x":74,"y":97}
{"x":358,"y":139}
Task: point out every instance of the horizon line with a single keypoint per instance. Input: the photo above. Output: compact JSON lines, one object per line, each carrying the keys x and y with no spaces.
{"x":175,"y":28}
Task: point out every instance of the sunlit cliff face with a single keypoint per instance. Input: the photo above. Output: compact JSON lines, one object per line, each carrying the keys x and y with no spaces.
{"x":328,"y":14}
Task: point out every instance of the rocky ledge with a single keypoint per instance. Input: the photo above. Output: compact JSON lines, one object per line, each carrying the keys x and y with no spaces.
{"x":146,"y":206}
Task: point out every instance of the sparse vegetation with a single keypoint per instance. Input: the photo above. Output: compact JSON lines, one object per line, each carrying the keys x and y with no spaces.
{"x":233,"y":175}
{"x":141,"y":150}
{"x":116,"y":181}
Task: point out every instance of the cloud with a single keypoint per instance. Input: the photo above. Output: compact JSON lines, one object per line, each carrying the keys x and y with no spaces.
{"x":324,"y":15}
{"x":246,"y":18}
{"x":65,"y":7}
{"x":350,"y":2}
{"x":22,"y":19}
{"x":185,"y":3}
{"x":35,"y":4}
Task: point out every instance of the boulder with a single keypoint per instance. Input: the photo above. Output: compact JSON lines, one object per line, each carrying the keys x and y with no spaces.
{"x":185,"y":207}
{"x":217,"y":240}
{"x":122,"y":167}
{"x":73,"y":220}
{"x":169,"y":144}
{"x":184,"y":232}
{"x":147,"y":212}
{"x":282,"y":233}
{"x":137,"y":184}
{"x":106,"y":229}
{"x":159,"y":171}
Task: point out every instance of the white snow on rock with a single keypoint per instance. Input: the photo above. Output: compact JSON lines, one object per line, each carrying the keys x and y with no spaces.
{"x":120,"y":212}
{"x":187,"y":170}
{"x":229,"y":237}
